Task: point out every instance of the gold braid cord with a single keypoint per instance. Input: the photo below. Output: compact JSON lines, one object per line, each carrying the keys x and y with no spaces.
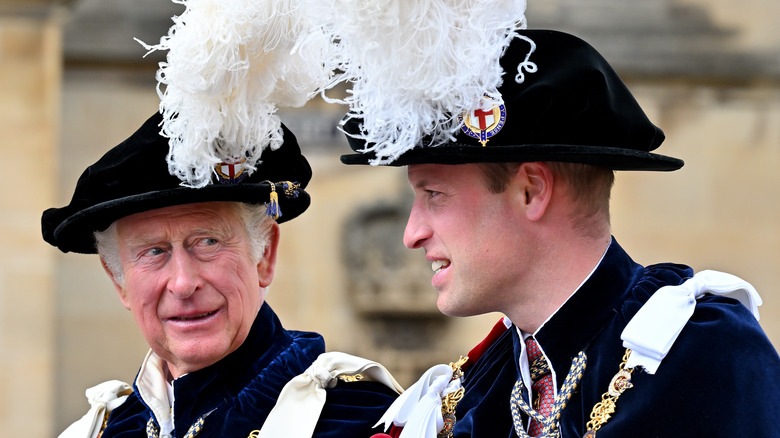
{"x":550,"y":429}
{"x":451,"y":400}
{"x":604,"y":409}
{"x":153,"y":430}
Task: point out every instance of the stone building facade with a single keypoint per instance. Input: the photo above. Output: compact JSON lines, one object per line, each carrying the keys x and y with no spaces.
{"x":74,"y":84}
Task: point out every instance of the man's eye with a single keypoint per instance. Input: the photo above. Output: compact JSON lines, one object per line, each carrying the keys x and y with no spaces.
{"x":432,"y":193}
{"x":209,"y":241}
{"x":154,"y":252}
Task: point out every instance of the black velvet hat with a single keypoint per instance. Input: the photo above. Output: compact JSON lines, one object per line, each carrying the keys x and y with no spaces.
{"x":133,"y":177}
{"x":574,"y":108}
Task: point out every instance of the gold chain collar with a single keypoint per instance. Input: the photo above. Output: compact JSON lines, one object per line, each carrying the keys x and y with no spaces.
{"x":604,"y":409}
{"x":450,"y":401}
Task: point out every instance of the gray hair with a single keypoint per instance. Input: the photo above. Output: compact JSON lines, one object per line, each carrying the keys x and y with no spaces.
{"x":257,"y":225}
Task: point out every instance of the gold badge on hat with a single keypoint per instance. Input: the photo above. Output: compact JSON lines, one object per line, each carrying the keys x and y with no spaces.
{"x":484,"y":123}
{"x":231,"y":171}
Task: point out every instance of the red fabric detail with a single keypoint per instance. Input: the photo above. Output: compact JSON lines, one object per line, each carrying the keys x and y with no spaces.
{"x":394,"y":432}
{"x":542,"y":387}
{"x":474,"y":354}
{"x":477,"y":351}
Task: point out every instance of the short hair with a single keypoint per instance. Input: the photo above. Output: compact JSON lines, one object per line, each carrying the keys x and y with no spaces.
{"x":257,"y":225}
{"x":589,"y":186}
{"x":497,"y":175}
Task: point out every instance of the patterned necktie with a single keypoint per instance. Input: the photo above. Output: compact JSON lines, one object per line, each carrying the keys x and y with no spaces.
{"x":547,"y":413}
{"x":542,"y":387}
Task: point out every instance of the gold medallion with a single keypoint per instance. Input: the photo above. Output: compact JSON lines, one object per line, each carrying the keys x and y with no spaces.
{"x":620,"y":382}
{"x":484,"y":123}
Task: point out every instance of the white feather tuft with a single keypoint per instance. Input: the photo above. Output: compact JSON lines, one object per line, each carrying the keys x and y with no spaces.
{"x":230,"y":65}
{"x":416,"y":65}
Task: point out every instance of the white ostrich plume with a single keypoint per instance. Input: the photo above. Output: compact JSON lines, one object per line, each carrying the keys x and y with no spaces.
{"x":416,"y":65}
{"x":230,"y":65}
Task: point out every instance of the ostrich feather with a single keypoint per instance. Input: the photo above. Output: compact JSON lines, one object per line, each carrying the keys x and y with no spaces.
{"x":230,"y":65}
{"x":415,"y":65}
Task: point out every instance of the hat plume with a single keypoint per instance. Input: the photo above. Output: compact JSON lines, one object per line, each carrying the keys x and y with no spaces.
{"x":230,"y":65}
{"x":416,"y":64}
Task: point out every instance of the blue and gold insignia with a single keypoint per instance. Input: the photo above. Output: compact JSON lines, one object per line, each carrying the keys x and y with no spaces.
{"x":231,"y":172}
{"x":483,"y":124}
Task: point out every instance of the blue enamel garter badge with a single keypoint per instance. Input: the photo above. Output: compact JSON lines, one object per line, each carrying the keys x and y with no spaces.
{"x":483,"y":124}
{"x":231,"y":172}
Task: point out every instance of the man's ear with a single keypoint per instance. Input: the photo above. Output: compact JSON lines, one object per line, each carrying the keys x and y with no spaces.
{"x":267,"y":264}
{"x":536,"y":185}
{"x":120,"y":290}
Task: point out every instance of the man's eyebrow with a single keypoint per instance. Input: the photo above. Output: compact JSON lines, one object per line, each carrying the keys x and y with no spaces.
{"x":208,"y":230}
{"x":422,"y":182}
{"x":142,"y":240}
{"x":219,"y":230}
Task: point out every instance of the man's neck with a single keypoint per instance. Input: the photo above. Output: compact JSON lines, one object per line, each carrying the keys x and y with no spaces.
{"x":559,"y":277}
{"x":168,"y":375}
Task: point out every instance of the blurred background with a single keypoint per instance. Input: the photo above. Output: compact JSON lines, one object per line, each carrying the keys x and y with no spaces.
{"x":73,"y":83}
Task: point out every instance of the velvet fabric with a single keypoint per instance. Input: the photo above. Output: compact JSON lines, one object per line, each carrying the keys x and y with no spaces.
{"x":133,"y":177}
{"x":239,"y":391}
{"x":575,"y":108}
{"x":720,"y":379}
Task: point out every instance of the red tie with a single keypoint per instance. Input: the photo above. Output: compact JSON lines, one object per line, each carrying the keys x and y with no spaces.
{"x":542,"y":387}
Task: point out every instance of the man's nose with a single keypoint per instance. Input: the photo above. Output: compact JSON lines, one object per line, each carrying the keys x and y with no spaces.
{"x":184,"y":273}
{"x":417,"y":231}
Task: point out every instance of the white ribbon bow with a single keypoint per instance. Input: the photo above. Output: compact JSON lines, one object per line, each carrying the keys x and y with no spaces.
{"x":418,"y":409}
{"x":300,"y":403}
{"x":103,"y":399}
{"x":652,"y":331}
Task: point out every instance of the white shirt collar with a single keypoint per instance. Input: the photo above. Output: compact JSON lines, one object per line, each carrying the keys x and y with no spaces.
{"x":155,"y":390}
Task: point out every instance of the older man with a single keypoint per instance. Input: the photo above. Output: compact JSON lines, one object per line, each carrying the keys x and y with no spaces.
{"x":193,"y":265}
{"x":513,"y":215}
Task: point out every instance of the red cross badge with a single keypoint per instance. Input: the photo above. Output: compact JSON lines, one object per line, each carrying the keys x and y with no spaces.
{"x":484,"y":123}
{"x":231,"y":172}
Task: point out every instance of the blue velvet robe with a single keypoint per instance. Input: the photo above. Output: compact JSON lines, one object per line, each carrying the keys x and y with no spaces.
{"x":721,"y":378}
{"x":241,"y":389}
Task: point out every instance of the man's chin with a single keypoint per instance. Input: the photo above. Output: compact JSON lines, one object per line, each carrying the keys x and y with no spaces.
{"x":450,"y":309}
{"x":194,"y":356}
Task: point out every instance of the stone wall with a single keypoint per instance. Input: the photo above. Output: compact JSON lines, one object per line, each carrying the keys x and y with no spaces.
{"x":706,"y":71}
{"x":29,"y":120}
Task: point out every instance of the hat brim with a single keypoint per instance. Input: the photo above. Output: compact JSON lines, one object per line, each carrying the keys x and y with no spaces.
{"x":75,"y":233}
{"x":603,"y":156}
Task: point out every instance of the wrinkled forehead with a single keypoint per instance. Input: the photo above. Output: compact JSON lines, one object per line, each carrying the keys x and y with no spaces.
{"x":217,"y":217}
